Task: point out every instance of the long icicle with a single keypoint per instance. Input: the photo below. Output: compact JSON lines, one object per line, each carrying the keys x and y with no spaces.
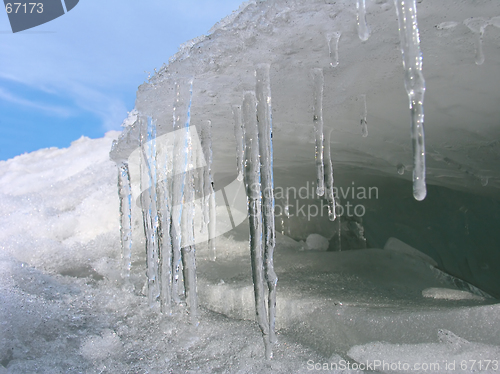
{"x":318,"y":82}
{"x":188,"y":241}
{"x":238,"y":136}
{"x":264,"y":121}
{"x":125,"y":195}
{"x":330,"y":193}
{"x":363,"y":113}
{"x":253,"y":189}
{"x":182,"y":102}
{"x":406,"y":11}
{"x":149,"y":208}
{"x":209,"y":207}
{"x":164,"y":187}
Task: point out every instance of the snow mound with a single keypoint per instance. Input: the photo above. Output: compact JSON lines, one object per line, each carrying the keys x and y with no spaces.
{"x":317,"y":242}
{"x":449,"y":294}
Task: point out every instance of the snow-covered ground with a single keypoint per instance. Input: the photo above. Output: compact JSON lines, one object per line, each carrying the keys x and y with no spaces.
{"x":65,"y":309}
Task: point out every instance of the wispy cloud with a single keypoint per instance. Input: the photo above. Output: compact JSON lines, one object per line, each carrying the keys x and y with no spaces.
{"x":48,"y":109}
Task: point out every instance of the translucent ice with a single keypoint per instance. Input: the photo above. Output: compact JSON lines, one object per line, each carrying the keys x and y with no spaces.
{"x":149,"y":206}
{"x":318,"y":82}
{"x":415,"y":87}
{"x":333,"y":48}
{"x":125,"y":217}
{"x":363,"y":112}
{"x":264,"y":122}
{"x":253,"y":188}
{"x":363,"y":29}
{"x":329,"y":180}
{"x":478,"y":25}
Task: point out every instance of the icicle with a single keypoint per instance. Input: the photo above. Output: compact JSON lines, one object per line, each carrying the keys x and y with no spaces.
{"x":477,"y":25}
{"x":363,"y":114}
{"x":165,"y":244}
{"x":253,"y":189}
{"x":282,"y":216}
{"x":188,"y":247}
{"x":163,"y":191}
{"x":333,"y":48}
{"x":318,"y":81}
{"x":238,"y":136}
{"x":363,"y":29}
{"x":264,"y":121}
{"x":287,"y":204}
{"x":149,"y":209}
{"x":125,"y":195}
{"x":181,"y":118}
{"x":415,"y":87}
{"x":330,"y":193}
{"x":340,"y":233}
{"x":209,"y":208}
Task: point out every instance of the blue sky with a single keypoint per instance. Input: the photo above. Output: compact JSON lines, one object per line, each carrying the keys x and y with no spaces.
{"x":78,"y":74}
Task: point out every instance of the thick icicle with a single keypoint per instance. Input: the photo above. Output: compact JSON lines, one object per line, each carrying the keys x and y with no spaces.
{"x":181,"y":113}
{"x":415,"y":87}
{"x":163,"y":191}
{"x":238,"y":136}
{"x":329,"y":181}
{"x":149,"y":208}
{"x":165,"y":244}
{"x":363,"y":29}
{"x":188,"y":247}
{"x":478,"y":25}
{"x":318,"y":81}
{"x":209,"y":208}
{"x":124,"y":192}
{"x":363,"y":114}
{"x":264,"y":121}
{"x":333,"y":48}
{"x":253,"y":190}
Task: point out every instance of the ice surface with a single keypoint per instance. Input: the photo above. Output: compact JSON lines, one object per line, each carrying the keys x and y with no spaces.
{"x":451,"y":355}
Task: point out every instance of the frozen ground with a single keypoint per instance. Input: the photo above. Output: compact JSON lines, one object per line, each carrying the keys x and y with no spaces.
{"x":65,"y":309}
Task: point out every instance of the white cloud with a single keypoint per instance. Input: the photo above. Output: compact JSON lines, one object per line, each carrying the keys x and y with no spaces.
{"x":57,"y":111}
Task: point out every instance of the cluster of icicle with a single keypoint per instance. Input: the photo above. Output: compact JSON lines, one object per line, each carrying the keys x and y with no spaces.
{"x":254,"y":149}
{"x":168,"y":185}
{"x":168,"y":197}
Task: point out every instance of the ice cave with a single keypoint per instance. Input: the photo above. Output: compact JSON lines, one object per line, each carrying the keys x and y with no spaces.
{"x":279,"y":207}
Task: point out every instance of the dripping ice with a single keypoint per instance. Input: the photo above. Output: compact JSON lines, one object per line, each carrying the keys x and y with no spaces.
{"x":363,"y":114}
{"x":258,"y":177}
{"x":363,"y":29}
{"x":415,"y":87}
{"x":318,"y":82}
